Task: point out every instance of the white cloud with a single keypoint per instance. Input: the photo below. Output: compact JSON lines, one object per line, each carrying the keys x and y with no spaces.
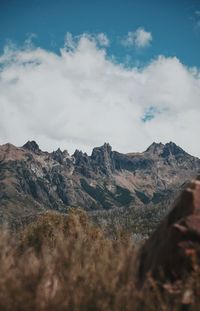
{"x":80,"y":99}
{"x":71,"y":42}
{"x":197,"y":13}
{"x":198,"y":24}
{"x":139,"y":38}
{"x":103,"y":39}
{"x":142,"y":37}
{"x":196,"y":19}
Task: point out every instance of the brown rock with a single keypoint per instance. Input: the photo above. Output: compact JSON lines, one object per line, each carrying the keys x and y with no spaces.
{"x":171,"y":250}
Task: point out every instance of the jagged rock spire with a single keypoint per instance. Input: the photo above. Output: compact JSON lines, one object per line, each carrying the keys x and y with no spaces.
{"x":103,"y":156}
{"x":165,"y":150}
{"x":32,"y":146}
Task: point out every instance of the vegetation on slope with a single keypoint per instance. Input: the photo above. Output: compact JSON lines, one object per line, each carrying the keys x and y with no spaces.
{"x":66,"y":263}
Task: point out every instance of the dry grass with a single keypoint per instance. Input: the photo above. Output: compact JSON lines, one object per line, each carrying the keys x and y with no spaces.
{"x":65,"y":263}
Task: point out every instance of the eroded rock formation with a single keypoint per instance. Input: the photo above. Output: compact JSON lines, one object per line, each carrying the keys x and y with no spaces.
{"x":170,"y":253}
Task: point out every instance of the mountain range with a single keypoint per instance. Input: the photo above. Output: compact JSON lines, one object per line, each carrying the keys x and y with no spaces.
{"x":106,"y":182}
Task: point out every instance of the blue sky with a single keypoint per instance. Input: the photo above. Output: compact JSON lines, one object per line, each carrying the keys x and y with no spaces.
{"x":173,"y":23}
{"x":76,"y":74}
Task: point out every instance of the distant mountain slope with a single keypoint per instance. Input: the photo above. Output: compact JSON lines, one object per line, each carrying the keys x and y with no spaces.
{"x":32,"y":181}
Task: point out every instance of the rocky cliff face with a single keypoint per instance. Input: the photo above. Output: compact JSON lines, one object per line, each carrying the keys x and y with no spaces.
{"x":32,"y":180}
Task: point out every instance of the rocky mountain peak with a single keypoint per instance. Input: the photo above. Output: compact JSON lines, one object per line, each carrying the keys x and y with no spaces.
{"x":103,"y":157}
{"x":155,"y":148}
{"x":165,"y":151}
{"x":81,"y":158}
{"x":79,"y":154}
{"x":172,"y":149}
{"x":107,"y":147}
{"x":60,"y":156}
{"x":82,"y":163}
{"x":102,"y":152}
{"x":32,"y":146}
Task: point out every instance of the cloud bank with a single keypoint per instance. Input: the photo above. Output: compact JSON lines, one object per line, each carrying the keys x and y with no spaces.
{"x":81,"y":99}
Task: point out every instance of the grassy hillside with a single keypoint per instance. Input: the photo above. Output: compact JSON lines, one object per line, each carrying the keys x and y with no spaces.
{"x":66,"y":263}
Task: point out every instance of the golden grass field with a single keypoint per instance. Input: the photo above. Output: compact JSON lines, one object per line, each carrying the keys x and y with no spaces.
{"x":62,"y":263}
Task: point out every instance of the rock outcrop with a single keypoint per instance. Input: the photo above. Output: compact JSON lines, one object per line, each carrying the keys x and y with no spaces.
{"x":171,"y":251}
{"x":102,"y":158}
{"x":32,"y":146}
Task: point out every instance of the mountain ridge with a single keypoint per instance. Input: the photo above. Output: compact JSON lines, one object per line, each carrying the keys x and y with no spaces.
{"x":32,"y":180}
